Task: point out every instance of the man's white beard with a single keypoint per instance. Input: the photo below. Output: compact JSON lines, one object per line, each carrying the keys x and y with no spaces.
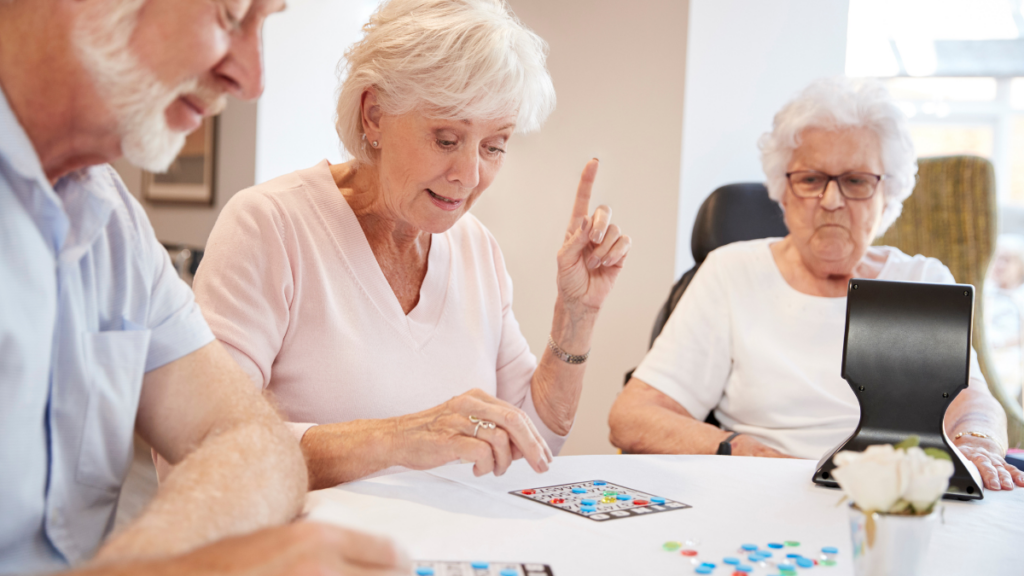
{"x":135,"y":97}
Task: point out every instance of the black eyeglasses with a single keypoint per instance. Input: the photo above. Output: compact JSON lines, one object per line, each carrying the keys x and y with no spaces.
{"x":852,"y":185}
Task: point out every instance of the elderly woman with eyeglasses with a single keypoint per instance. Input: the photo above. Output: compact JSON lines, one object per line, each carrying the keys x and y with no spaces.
{"x":758,"y":335}
{"x":367,"y":300}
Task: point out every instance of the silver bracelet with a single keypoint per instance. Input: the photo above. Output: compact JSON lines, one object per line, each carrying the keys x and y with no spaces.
{"x":565,"y":356}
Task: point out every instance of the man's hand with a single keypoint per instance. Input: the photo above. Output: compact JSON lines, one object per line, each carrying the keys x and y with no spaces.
{"x":300,"y":549}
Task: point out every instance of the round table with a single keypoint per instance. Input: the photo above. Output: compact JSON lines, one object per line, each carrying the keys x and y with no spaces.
{"x":448,"y":514}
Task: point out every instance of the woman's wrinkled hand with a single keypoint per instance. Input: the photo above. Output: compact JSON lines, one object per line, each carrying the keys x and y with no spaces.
{"x":445,"y":433}
{"x":594,"y":250}
{"x":744,"y":445}
{"x":987,"y":455}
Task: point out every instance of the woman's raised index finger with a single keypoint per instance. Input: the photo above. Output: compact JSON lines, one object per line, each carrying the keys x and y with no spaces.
{"x":581,"y":207}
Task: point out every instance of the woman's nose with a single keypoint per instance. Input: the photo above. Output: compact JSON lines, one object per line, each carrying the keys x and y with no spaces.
{"x":466,"y":168}
{"x":832,"y":198}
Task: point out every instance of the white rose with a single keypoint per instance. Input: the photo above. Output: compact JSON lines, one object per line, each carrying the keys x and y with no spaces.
{"x":871,"y":478}
{"x":927,"y":480}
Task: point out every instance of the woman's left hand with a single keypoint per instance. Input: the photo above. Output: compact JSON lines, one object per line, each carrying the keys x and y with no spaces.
{"x":986,"y":454}
{"x":594,"y":250}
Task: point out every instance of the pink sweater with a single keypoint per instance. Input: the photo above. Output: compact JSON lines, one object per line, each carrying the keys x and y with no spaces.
{"x":290,"y":286}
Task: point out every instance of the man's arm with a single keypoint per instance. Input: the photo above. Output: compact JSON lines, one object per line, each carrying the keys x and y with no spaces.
{"x":237,"y":469}
{"x":297,"y":549}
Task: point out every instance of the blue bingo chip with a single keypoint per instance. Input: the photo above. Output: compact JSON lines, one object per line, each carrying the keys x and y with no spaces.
{"x":794,"y":555}
{"x":749,"y":547}
{"x":623,"y":496}
{"x":480,"y":565}
{"x":830,"y":550}
{"x":588,"y":502}
{"x":744,"y":568}
{"x":775,"y":545}
{"x":731,"y":560}
{"x":600,"y":483}
{"x":588,"y":509}
{"x":702,"y":570}
{"x":579,"y":491}
{"x":805,"y":562}
{"x":424,"y":571}
{"x":657,"y":500}
{"x":509,"y":572}
{"x":708,"y":564}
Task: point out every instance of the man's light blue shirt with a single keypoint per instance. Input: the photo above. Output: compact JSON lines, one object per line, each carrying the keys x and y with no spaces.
{"x":89,"y":302}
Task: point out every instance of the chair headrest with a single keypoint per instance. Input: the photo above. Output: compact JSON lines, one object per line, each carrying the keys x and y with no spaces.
{"x":733,"y":213}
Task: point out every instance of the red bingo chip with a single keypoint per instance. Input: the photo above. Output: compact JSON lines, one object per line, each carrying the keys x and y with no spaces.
{"x":529,"y":492}
{"x":640,"y":502}
{"x":689,"y":552}
{"x":558,"y":500}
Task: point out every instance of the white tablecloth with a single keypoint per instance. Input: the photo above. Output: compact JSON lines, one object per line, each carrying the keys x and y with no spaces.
{"x":448,"y":514}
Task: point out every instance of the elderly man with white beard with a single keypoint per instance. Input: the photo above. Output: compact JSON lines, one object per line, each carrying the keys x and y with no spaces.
{"x":98,"y":336}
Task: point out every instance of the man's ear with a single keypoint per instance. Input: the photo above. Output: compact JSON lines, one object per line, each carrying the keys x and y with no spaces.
{"x":371,"y":113}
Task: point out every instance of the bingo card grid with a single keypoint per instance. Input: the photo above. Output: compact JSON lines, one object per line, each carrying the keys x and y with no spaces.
{"x":600,"y":500}
{"x":436,"y":568}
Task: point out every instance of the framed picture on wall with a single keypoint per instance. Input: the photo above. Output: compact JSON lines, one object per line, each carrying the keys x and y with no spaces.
{"x":190,"y":179}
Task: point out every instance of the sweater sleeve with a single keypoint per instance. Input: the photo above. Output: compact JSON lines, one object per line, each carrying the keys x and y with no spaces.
{"x":245,"y":285}
{"x":516,"y":364}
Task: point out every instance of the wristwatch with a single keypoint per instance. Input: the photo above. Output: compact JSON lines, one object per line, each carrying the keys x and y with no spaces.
{"x":724,"y":447}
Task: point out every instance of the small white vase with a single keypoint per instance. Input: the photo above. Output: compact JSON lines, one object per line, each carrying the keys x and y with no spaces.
{"x":897,"y":546}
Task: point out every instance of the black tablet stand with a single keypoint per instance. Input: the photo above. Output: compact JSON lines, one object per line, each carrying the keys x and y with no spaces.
{"x":906,"y":356}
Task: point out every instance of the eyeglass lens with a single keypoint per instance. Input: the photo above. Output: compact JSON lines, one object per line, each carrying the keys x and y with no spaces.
{"x":856,"y":185}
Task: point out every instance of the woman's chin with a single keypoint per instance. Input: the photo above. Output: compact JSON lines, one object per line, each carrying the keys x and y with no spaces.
{"x":832,"y":253}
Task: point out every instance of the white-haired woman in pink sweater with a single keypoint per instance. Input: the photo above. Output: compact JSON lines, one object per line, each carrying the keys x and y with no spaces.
{"x":365,"y":297}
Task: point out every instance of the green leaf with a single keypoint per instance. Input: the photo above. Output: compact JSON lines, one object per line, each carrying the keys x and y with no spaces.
{"x":899,"y":507}
{"x":938,"y":454}
{"x":909,"y":442}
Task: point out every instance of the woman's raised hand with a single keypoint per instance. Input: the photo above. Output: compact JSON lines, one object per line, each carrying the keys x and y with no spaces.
{"x":445,"y":433}
{"x":594,"y":250}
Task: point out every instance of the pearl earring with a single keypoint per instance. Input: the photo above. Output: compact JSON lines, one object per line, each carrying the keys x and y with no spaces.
{"x":374,"y":143}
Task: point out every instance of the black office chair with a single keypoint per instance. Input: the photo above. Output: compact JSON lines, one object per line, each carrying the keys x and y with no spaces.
{"x":732,"y":213}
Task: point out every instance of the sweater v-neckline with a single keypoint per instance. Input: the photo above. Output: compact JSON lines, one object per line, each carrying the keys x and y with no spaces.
{"x":354,"y":249}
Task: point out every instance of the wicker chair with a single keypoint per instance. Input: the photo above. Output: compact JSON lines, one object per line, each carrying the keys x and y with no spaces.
{"x":952,"y":216}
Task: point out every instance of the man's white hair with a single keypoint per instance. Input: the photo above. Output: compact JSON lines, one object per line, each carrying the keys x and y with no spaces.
{"x":835,"y":104}
{"x":136,"y":98}
{"x":456,"y":59}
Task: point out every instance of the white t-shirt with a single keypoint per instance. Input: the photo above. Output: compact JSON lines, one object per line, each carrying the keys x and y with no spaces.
{"x":765,"y":357}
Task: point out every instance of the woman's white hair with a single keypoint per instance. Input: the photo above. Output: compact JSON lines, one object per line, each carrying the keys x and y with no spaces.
{"x":456,"y":59}
{"x":835,"y":104}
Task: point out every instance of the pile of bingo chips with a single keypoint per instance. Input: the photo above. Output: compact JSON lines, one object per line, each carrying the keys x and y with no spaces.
{"x":776,"y":558}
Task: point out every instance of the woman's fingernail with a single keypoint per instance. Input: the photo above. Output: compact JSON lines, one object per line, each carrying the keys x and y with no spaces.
{"x":593,"y":262}
{"x":596,"y":158}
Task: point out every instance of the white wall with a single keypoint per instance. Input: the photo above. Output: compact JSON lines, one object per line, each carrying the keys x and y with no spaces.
{"x":746,"y":58}
{"x":302,"y":46}
{"x":618,"y":70}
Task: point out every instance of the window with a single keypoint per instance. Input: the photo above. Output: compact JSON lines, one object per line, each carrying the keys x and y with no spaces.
{"x":956,"y":68}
